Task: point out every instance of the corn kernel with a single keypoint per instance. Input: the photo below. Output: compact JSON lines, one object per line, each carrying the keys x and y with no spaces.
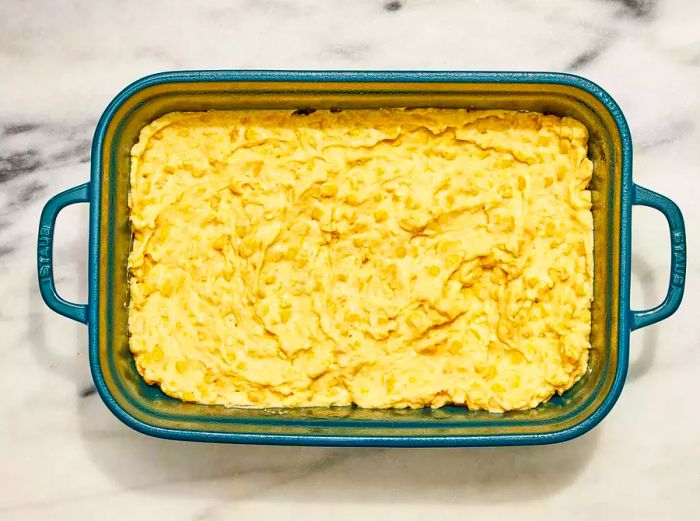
{"x":381,"y":215}
{"x":285,"y":304}
{"x":285,"y":315}
{"x":360,"y":227}
{"x":498,"y":276}
{"x":506,"y":191}
{"x":181,"y":366}
{"x":188,"y":396}
{"x":352,"y":199}
{"x":255,"y":396}
{"x":219,"y":243}
{"x":358,"y":242}
{"x":377,"y":197}
{"x":498,"y":388}
{"x":247,"y":247}
{"x":329,"y":189}
{"x":274,"y":255}
{"x":352,"y":317}
{"x":242,"y":229}
{"x":157,"y":354}
{"x":433,"y":271}
{"x":452,"y":260}
{"x":446,"y":246}
{"x":561,"y":172}
{"x":316,"y":213}
{"x":516,"y":357}
{"x":400,"y":252}
{"x":488,"y":261}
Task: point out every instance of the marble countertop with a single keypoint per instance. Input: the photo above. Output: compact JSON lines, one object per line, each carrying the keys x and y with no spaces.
{"x":62,"y":453}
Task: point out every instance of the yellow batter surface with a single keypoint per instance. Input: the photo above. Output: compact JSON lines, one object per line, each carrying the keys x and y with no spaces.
{"x":383,"y":258}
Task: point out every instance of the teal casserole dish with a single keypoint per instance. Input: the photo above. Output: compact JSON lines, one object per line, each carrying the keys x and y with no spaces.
{"x":147,"y":409}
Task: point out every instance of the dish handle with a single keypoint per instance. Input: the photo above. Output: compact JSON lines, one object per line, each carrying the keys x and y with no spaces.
{"x":643,"y":197}
{"x":47,"y":223}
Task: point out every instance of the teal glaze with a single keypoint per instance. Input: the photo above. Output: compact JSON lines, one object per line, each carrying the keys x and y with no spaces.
{"x":47,"y":224}
{"x":676,"y":283}
{"x":147,"y":410}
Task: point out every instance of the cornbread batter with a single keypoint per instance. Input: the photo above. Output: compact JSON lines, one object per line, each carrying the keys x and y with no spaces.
{"x":383,"y":258}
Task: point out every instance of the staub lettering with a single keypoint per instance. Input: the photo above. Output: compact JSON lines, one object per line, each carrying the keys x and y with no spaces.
{"x":678,"y":259}
{"x":45,"y":251}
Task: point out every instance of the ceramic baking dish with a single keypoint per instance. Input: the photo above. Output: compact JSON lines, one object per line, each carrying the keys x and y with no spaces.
{"x":147,"y":409}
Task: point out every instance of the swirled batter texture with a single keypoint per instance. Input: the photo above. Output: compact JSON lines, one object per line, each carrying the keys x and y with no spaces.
{"x":383,"y":258}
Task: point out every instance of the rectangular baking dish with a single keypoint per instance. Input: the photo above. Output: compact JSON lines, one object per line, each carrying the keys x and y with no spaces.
{"x":147,"y":409}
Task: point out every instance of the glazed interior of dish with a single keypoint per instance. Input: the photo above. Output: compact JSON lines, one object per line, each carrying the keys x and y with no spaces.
{"x":382,"y":258}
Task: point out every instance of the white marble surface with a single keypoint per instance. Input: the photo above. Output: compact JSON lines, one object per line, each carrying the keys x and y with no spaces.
{"x":64,"y":456}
